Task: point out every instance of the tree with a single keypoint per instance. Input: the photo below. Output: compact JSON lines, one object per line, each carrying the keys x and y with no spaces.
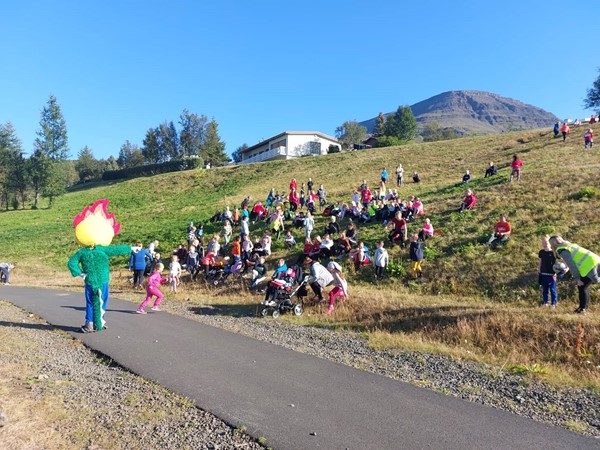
{"x":350,"y":133}
{"x":379,"y":128}
{"x":50,"y":148}
{"x":433,"y":131}
{"x":213,"y":149}
{"x":193,"y":129}
{"x":130,"y":155}
{"x":87,"y":166}
{"x":168,"y":142}
{"x":237,"y":155}
{"x":391,"y":126}
{"x":592,"y":101}
{"x":10,"y":151}
{"x":19,"y":179}
{"x":150,"y":147}
{"x":407,"y":124}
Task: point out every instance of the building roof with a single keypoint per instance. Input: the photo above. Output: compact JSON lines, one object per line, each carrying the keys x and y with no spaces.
{"x":301,"y":133}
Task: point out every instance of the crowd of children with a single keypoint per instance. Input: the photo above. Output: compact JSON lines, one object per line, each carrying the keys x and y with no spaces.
{"x":323,"y":254}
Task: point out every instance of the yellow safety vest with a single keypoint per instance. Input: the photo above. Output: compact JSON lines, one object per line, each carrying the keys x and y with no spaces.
{"x":583,"y":259}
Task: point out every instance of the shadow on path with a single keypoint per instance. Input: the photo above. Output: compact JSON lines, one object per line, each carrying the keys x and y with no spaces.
{"x":39,"y":326}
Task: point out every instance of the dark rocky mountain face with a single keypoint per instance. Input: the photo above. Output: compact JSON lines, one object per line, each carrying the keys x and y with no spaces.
{"x":479,"y":112}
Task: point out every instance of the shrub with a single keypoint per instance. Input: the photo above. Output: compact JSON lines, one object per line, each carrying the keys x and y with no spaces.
{"x":153,"y":169}
{"x":587,"y":193}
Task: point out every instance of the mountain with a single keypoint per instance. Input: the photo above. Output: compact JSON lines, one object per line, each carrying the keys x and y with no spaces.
{"x":479,"y":112}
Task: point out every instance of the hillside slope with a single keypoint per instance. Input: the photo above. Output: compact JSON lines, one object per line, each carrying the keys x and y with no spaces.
{"x":477,"y":112}
{"x":472,"y":302}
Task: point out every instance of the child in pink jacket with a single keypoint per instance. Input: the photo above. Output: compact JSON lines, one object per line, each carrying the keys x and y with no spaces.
{"x":152,"y":289}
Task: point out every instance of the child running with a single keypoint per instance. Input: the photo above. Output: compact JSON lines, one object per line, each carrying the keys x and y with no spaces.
{"x":340,"y":285}
{"x":152,"y":289}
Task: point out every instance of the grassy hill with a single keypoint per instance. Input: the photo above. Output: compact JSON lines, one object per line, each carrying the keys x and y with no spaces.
{"x":473,"y":302}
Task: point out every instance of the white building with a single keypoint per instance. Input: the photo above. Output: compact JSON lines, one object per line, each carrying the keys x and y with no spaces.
{"x":288,"y":145}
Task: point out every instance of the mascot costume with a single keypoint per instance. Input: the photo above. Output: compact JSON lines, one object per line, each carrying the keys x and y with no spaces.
{"x":95,"y":229}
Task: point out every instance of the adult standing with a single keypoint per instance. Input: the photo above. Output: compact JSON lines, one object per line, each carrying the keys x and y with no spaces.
{"x":399,"y":175}
{"x":139,"y":259}
{"x":583,"y":265}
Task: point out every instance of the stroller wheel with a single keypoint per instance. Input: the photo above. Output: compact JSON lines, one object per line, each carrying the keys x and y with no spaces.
{"x":276,"y":314}
{"x":298,"y":309}
{"x":264,"y":312}
{"x":215,"y":282}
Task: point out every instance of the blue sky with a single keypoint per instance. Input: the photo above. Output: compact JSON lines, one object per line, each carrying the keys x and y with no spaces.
{"x":259,"y":68}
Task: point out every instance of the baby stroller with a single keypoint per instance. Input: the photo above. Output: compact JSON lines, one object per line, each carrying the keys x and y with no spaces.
{"x":283,"y":292}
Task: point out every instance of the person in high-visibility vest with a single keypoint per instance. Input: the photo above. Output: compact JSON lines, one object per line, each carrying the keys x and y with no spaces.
{"x":583,"y":265}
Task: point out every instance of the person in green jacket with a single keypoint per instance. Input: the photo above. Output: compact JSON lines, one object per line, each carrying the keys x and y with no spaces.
{"x":583,"y":265}
{"x":95,"y":228}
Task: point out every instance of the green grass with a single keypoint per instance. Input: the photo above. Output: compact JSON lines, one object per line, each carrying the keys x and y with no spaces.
{"x":467,"y":290}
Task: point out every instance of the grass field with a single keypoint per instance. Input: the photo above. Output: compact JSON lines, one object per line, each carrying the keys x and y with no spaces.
{"x":473,"y":302}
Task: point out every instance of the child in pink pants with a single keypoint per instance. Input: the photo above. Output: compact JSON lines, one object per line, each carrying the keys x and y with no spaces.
{"x":341,"y":285}
{"x":152,"y":289}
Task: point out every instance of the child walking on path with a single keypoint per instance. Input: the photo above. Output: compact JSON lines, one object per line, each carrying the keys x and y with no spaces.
{"x":416,"y":255}
{"x":152,"y":289}
{"x":340,"y":285}
{"x":547,"y":277}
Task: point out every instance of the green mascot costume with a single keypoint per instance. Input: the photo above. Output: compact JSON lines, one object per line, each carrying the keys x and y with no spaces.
{"x":95,"y":229}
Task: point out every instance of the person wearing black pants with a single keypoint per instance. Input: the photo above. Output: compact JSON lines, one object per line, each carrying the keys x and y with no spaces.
{"x":583,"y":265}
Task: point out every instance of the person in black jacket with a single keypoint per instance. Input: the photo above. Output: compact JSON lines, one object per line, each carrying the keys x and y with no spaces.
{"x":416,"y":255}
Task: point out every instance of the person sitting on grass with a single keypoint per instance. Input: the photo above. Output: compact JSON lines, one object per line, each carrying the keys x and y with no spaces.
{"x":469,"y":201}
{"x":501,"y":232}
{"x":491,"y":170}
{"x":399,"y":231}
{"x":332,"y":227}
{"x":343,"y":245}
{"x":351,"y":233}
{"x":359,"y":256}
{"x":466,"y":177}
{"x":289,"y":240}
{"x":427,"y":231}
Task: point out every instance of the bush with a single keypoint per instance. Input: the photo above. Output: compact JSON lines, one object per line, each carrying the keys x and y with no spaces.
{"x":333,"y":149}
{"x":587,"y":193}
{"x":387,"y":141}
{"x":153,"y":169}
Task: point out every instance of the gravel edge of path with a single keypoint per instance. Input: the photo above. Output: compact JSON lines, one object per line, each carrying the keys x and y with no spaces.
{"x":576,"y":409}
{"x":105,"y":403}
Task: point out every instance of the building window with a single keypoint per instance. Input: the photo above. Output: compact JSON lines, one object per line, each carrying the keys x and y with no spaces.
{"x":314,"y":148}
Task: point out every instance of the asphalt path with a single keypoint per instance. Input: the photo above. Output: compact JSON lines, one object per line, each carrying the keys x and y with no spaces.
{"x":294,"y":400}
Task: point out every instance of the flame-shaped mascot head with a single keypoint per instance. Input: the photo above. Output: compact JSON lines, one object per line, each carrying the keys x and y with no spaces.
{"x":94,"y":226}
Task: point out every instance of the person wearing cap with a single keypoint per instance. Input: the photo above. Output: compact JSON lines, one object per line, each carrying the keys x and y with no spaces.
{"x":583,"y":265}
{"x":319,"y":279}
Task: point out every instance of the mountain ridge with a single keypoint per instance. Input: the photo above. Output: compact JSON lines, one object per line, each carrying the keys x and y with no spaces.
{"x":476,"y":112}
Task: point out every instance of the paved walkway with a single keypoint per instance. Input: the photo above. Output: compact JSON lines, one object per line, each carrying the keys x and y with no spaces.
{"x":254,"y":384}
